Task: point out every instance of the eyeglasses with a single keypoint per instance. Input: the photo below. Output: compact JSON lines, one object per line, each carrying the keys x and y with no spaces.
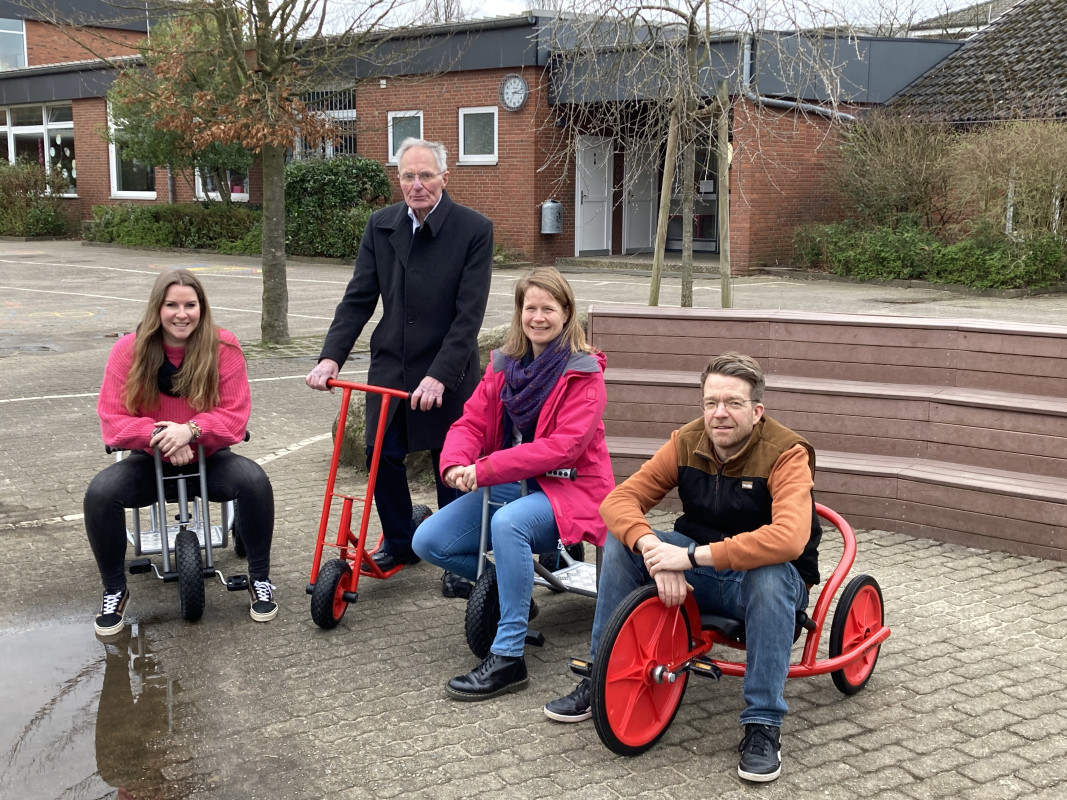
{"x":424,"y":177}
{"x":731,"y":404}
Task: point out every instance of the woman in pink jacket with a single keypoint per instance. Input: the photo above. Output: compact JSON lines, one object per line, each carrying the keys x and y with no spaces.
{"x":176,"y":383}
{"x":537,"y":408}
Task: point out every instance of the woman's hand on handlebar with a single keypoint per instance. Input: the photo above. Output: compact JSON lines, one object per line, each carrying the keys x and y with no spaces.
{"x":172,"y":439}
{"x":463,"y":478}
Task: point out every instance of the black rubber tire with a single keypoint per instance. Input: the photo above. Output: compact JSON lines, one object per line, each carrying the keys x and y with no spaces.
{"x":190,"y":574}
{"x":418,"y":514}
{"x":238,"y":542}
{"x":619,"y":680}
{"x":327,"y":604}
{"x":483,"y":613}
{"x":860,"y":612}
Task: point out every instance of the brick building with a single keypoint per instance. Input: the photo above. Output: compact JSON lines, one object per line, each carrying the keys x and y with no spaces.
{"x":502,"y":108}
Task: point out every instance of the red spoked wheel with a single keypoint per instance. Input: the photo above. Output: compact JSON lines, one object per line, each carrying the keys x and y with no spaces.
{"x":631,"y":710}
{"x":859,"y":615}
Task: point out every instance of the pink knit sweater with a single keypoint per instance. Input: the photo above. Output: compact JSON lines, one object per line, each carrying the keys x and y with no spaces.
{"x":222,"y":426}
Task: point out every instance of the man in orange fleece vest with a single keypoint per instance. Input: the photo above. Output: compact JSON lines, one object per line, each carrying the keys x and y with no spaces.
{"x":746,"y":543}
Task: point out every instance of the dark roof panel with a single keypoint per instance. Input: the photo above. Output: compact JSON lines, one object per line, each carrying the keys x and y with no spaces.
{"x":1014,"y":69}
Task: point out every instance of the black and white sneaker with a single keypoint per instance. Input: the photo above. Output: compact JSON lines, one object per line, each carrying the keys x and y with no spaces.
{"x":574,"y":707}
{"x":761,"y":753}
{"x":264,"y":609}
{"x":112,"y":608}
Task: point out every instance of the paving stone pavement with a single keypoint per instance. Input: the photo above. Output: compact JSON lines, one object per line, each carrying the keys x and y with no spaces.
{"x":969,"y":698}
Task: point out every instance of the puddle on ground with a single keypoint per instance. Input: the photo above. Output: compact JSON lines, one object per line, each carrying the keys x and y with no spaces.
{"x":83,"y":717}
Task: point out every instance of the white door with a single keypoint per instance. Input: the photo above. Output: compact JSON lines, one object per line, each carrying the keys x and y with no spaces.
{"x":593,"y":197}
{"x":639,"y":208}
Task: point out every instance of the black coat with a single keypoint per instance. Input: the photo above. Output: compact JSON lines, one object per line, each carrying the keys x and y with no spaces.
{"x":434,"y":288}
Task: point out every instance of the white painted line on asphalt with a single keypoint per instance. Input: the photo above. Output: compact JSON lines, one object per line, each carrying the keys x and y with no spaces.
{"x":141,"y":302}
{"x":40,"y":523}
{"x":255,"y":276}
{"x":352,"y":372}
{"x":292,"y":448}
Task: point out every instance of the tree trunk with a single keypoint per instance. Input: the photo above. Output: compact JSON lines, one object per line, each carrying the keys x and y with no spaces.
{"x":723,"y":137}
{"x":687,"y":184}
{"x":274,"y":322}
{"x":666,"y":186}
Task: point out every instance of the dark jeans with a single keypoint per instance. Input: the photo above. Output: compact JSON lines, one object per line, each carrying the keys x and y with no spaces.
{"x":131,"y":483}
{"x":392,"y":495}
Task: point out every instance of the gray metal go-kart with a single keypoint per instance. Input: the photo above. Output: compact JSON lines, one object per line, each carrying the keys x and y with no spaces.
{"x":562,"y":570}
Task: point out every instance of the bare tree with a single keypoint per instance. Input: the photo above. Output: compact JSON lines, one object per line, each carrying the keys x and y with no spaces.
{"x":646,"y":72}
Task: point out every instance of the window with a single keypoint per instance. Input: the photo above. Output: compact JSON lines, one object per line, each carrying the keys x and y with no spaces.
{"x":340,"y":106}
{"x":129,"y":177}
{"x":12,"y":44}
{"x":477,"y":135}
{"x":403,"y":124}
{"x":41,"y":135}
{"x":207,"y":186}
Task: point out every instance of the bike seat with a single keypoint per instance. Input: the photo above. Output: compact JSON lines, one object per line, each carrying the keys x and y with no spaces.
{"x":734,"y":629}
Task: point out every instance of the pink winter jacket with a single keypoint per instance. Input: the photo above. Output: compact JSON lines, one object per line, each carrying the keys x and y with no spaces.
{"x":569,"y":433}
{"x":222,"y":425}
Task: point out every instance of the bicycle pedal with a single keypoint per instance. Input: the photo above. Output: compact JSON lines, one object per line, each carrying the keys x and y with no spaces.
{"x":140,"y":565}
{"x":237,"y":583}
{"x":581,"y":668}
{"x":706,"y":669}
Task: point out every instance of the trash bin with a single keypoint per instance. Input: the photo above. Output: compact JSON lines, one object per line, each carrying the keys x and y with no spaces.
{"x":551,"y":217}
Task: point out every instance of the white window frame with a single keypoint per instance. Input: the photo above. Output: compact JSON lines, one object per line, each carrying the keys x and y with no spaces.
{"x":113,"y":168}
{"x":236,"y":197}
{"x":400,"y":114}
{"x":479,"y":158}
{"x":44,"y":129}
{"x":25,"y":51}
{"x":326,"y":150}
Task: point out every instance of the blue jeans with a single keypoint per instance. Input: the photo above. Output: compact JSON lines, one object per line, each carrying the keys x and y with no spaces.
{"x":766,"y":598}
{"x":520,"y":528}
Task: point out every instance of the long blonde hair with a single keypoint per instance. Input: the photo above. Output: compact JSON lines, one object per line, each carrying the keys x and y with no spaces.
{"x":197,"y":380}
{"x":549,"y":280}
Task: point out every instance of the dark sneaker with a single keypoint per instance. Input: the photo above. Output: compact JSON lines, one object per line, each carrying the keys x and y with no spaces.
{"x":112,"y":608}
{"x":761,"y":753}
{"x":264,"y":609}
{"x":574,"y":707}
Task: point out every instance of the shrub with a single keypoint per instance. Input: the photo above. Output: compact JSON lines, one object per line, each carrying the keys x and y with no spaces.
{"x":208,"y":226}
{"x":30,"y":202}
{"x":328,"y":203}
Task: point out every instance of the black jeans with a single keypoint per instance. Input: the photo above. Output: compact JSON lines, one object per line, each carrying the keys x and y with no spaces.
{"x":131,"y":483}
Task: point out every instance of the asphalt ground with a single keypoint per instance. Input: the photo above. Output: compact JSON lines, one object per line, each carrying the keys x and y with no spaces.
{"x":968,"y":700}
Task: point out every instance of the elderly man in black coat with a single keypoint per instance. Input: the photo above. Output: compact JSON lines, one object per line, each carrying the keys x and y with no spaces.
{"x":429,"y":259}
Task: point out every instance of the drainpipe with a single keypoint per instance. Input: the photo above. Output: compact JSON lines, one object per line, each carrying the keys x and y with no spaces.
{"x":773,"y":102}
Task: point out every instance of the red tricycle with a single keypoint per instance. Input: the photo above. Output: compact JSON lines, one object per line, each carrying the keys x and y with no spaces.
{"x":647,"y":651}
{"x":333,"y":584}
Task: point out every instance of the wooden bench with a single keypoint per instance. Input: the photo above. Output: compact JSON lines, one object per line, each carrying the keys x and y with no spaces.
{"x":948,"y":429}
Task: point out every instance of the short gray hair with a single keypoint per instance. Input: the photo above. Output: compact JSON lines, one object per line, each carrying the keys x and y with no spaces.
{"x":440,"y":155}
{"x":736,"y":365}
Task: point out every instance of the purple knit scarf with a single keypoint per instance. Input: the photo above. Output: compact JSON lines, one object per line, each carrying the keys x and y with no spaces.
{"x":526,"y":388}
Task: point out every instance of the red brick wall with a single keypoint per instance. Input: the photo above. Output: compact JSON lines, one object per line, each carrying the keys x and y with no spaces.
{"x":509,"y":192}
{"x":56,"y":44}
{"x":778,"y":181}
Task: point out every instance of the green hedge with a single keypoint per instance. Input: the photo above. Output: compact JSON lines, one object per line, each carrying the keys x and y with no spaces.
{"x":30,"y":202}
{"x":906,"y":251}
{"x":328,"y":203}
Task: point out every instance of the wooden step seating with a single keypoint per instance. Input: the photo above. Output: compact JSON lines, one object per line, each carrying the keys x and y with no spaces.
{"x":948,"y":429}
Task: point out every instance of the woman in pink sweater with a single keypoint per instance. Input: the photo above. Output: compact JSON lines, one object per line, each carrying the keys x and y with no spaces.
{"x":176,"y":383}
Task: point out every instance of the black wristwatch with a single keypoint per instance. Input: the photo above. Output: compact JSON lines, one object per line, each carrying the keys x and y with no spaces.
{"x":693,"y":554}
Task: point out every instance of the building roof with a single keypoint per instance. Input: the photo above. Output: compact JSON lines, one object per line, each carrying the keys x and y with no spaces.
{"x":964,"y":20}
{"x":1015,"y":68}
